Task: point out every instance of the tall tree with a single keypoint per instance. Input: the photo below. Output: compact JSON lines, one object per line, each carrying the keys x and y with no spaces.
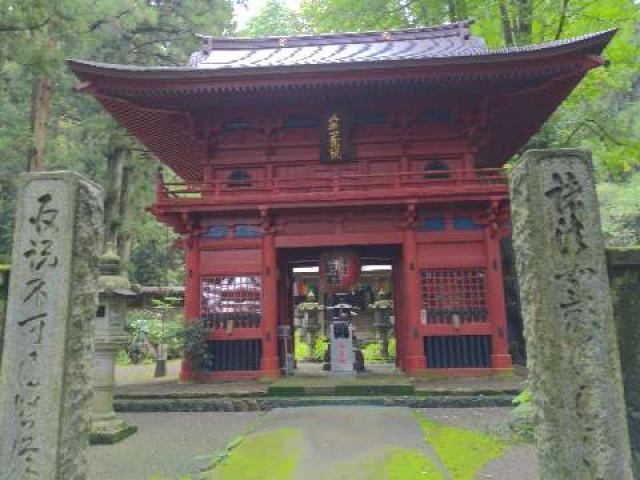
{"x":274,"y":19}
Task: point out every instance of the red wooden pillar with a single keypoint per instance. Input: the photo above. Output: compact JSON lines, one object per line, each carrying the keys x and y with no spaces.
{"x":413,"y":345}
{"x":270,"y":363}
{"x":192,"y":294}
{"x":398,"y":312}
{"x":500,"y":357}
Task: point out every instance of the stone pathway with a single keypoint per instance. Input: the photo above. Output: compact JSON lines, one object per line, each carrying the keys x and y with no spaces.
{"x":521,"y":458}
{"x":336,"y":436}
{"x":330,"y":441}
{"x":169,"y":444}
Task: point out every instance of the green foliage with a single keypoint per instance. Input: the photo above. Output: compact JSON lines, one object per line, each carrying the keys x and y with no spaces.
{"x":620,"y":211}
{"x":158,"y":331}
{"x":122,"y":358}
{"x":274,"y":19}
{"x":301,"y":348}
{"x":35,"y":38}
{"x":371,"y":352}
{"x":520,"y":421}
{"x":303,"y":352}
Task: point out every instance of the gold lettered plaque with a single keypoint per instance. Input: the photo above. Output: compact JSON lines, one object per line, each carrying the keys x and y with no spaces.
{"x":336,"y":141}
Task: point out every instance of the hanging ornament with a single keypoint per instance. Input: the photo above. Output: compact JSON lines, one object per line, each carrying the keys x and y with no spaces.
{"x":339,"y":270}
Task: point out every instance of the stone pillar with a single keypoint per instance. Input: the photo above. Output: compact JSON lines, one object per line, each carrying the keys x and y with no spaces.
{"x":46,"y":375}
{"x":624,"y":277}
{"x":573,"y":360}
{"x":110,"y":336}
{"x":382,"y":325}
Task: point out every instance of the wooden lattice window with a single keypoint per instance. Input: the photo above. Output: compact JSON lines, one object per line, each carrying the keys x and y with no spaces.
{"x":239,"y":178}
{"x":436,"y":170}
{"x":451,"y":295}
{"x":231,"y":302}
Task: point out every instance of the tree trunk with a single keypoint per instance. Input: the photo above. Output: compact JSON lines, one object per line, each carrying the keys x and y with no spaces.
{"x":113,"y":189}
{"x":453,"y":11}
{"x":461,"y":9}
{"x":507,"y":28}
{"x":563,"y":19}
{"x":525,"y":20}
{"x":41,"y":91}
{"x":124,"y":239}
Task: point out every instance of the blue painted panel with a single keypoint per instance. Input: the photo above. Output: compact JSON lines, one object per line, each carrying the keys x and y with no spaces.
{"x":465,"y":223}
{"x":433,"y":224}
{"x":247,"y":231}
{"x":217,"y":232}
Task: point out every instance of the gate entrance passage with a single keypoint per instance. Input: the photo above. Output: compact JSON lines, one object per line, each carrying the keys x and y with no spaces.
{"x":381,"y":141}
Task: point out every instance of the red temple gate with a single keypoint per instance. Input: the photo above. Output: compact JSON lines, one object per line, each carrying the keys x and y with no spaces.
{"x":390,"y":140}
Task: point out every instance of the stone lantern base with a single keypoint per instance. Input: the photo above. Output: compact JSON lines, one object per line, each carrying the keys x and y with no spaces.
{"x":108,"y":431}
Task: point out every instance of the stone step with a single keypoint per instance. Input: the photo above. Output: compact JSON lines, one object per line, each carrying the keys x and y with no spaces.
{"x":267,"y":403}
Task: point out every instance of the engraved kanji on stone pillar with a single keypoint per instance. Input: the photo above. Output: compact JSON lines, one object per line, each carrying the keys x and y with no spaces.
{"x":46,"y":388}
{"x":573,"y":358}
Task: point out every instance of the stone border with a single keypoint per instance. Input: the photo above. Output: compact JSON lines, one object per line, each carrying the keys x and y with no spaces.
{"x":251,"y":404}
{"x":106,"y":438}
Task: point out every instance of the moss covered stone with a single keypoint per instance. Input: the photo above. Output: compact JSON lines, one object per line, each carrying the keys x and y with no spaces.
{"x":267,"y":456}
{"x":463,"y":452}
{"x":624,"y":275}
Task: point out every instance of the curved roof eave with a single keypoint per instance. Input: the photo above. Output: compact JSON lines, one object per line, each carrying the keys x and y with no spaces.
{"x":592,"y":44}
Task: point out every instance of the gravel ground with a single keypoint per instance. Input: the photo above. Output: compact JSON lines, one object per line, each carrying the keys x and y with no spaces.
{"x":143,"y":373}
{"x":518,"y":463}
{"x":169,"y":444}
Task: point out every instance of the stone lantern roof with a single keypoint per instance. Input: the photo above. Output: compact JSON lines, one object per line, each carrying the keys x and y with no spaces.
{"x":110,"y":281}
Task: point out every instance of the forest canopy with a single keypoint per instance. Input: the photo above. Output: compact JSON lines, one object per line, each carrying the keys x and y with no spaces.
{"x":45,"y":124}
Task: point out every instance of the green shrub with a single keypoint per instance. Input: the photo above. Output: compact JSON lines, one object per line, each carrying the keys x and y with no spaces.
{"x":123,"y":358}
{"x":520,"y":420}
{"x":302,"y":350}
{"x":151,"y":321}
{"x":371,"y":352}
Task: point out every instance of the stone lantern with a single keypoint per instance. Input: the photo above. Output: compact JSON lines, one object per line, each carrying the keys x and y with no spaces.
{"x":382,"y":309}
{"x":114,"y":296}
{"x":309,"y":311}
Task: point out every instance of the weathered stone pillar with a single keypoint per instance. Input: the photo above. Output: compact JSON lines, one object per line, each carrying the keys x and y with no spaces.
{"x":46,"y":388}
{"x":574,"y":365}
{"x":624,"y":277}
{"x":110,"y":336}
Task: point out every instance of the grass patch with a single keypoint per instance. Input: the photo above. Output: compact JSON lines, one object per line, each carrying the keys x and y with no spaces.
{"x":363,"y":390}
{"x":463,"y":452}
{"x":265,"y":456}
{"x":285,"y":391}
{"x":394,"y":464}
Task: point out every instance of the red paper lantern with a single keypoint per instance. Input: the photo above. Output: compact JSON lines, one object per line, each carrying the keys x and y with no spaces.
{"x":339,"y":270}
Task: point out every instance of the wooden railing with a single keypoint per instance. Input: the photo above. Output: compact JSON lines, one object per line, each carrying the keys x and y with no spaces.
{"x":325,"y":184}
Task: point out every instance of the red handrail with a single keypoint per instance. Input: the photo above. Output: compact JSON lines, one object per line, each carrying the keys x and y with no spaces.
{"x":332,"y":183}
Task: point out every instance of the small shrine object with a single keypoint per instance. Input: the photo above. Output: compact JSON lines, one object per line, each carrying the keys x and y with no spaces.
{"x":386,"y":146}
{"x":114,"y":296}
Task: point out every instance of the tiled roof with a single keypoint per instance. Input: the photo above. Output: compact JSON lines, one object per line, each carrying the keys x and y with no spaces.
{"x":409,"y":44}
{"x":448,"y":44}
{"x":448,"y":41}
